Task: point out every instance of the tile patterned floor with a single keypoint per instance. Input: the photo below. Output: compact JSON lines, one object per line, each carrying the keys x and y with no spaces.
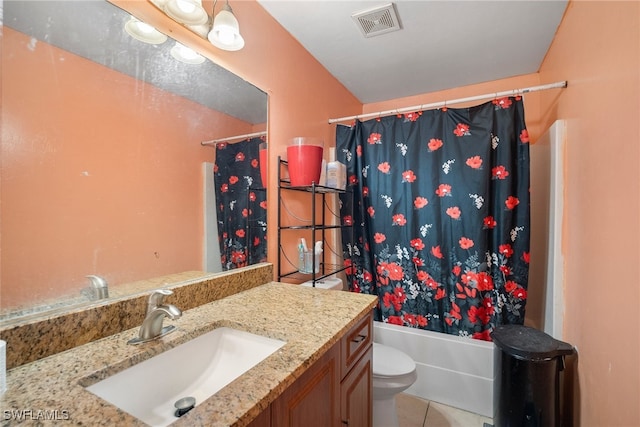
{"x":416,"y":412}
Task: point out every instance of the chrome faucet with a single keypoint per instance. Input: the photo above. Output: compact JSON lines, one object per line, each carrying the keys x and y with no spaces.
{"x":98,"y":288}
{"x":151,"y":328}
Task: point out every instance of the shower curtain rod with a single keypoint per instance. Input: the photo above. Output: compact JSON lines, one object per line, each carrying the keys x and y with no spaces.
{"x":513,"y":92}
{"x":247,"y":135}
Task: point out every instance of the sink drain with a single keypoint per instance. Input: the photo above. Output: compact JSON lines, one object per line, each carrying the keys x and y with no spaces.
{"x":184,"y":405}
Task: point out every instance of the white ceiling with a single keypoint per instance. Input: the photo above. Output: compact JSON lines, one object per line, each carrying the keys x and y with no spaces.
{"x":441,"y":44}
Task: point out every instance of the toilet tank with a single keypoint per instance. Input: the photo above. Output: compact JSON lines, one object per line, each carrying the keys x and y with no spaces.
{"x":331,"y":282}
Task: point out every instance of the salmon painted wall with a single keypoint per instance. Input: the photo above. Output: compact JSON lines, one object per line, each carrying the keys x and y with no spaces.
{"x":99,"y":174}
{"x":597,"y":49}
{"x":302,"y":93}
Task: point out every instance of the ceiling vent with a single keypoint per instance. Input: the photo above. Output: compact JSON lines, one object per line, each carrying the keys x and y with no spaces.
{"x":378,"y":20}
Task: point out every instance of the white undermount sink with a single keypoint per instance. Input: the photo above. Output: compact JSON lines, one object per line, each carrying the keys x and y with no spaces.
{"x":198,"y":368}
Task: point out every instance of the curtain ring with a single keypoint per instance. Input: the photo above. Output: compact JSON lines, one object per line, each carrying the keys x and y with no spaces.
{"x":495,"y":99}
{"x":444,"y":108}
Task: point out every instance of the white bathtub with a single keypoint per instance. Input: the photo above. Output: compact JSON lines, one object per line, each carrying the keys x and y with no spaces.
{"x":451,"y":370}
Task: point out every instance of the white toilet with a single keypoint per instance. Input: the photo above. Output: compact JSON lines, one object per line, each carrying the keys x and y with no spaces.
{"x":393,"y":372}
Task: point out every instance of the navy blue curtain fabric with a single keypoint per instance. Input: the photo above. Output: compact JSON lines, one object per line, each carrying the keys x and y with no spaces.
{"x":242,"y":204}
{"x":441,"y":215}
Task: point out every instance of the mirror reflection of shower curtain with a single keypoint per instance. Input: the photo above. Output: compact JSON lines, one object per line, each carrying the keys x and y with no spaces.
{"x":241,"y":204}
{"x":442,"y":197}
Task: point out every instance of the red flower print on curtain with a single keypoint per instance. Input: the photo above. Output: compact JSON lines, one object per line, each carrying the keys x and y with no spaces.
{"x":443,"y":200}
{"x":242,"y":205}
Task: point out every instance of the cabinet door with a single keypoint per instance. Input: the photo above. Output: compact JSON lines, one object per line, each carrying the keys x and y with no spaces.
{"x":313,"y":400}
{"x":357,"y":393}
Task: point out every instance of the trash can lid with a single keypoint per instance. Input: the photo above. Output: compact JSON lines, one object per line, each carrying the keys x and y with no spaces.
{"x":528,"y":343}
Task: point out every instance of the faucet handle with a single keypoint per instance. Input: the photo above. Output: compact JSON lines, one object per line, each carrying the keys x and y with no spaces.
{"x":97,"y":281}
{"x":157,"y":298}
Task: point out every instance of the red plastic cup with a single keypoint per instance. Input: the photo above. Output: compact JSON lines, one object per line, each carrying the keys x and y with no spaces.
{"x":305,"y":161}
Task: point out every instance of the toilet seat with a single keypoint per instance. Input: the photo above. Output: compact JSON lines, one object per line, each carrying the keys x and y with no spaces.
{"x":389,"y":362}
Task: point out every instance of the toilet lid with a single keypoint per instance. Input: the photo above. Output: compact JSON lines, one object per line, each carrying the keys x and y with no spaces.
{"x":388,"y":361}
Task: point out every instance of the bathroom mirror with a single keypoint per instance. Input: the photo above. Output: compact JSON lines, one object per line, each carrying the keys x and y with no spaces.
{"x":103,"y":171}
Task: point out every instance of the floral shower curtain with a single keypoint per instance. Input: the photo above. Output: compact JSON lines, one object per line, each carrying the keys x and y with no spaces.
{"x":242,"y":204}
{"x":441,"y":209}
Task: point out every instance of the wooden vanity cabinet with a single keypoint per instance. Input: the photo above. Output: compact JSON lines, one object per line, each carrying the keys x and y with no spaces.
{"x":313,"y":399}
{"x":335,"y":391}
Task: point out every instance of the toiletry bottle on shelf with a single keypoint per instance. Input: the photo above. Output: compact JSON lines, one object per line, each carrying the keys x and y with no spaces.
{"x":323,"y":174}
{"x":336,"y":172}
{"x":318,"y":254}
{"x":302,"y":251}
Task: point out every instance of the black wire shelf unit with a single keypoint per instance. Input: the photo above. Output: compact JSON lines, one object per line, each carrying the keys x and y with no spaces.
{"x":317,"y":228}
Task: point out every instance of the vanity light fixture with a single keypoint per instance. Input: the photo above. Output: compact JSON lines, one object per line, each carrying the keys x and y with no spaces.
{"x":144,"y":32}
{"x":188,"y":12}
{"x":186,"y":55}
{"x":202,"y":30}
{"x":225,"y":33}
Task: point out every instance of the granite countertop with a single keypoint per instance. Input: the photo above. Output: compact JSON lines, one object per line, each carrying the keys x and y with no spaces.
{"x":309,"y":320}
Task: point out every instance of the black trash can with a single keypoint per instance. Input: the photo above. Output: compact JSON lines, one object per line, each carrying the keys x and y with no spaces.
{"x":527,"y":365}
